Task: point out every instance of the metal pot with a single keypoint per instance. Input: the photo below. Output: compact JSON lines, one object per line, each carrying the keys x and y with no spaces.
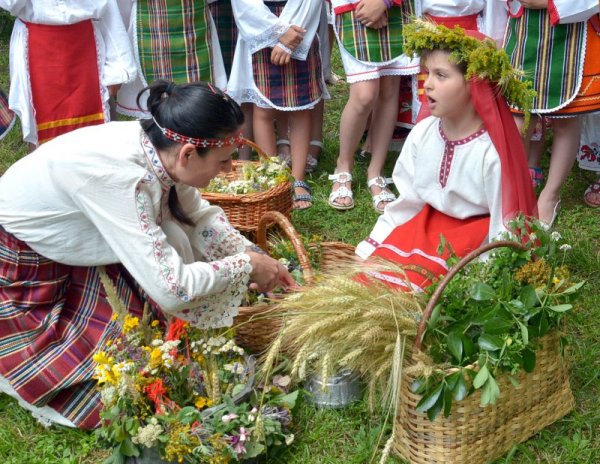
{"x":336,"y":392}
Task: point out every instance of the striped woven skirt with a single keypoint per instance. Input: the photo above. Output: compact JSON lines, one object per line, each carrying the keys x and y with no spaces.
{"x":296,"y":85}
{"x":222,"y":14}
{"x":173,"y":38}
{"x":7,"y":116}
{"x":563,"y":61}
{"x":369,"y":53}
{"x":53,"y":318}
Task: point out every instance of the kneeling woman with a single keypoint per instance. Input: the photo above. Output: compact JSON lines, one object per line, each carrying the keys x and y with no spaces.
{"x":120,"y":197}
{"x":462,"y":173}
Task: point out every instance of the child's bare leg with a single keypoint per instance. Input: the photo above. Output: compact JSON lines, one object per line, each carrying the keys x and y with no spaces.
{"x":564,"y":151}
{"x":363,"y":96}
{"x":246,"y":151}
{"x":381,"y":130}
{"x":282,"y":124}
{"x":264,"y":129}
{"x":299,"y":138}
{"x":316,"y":134}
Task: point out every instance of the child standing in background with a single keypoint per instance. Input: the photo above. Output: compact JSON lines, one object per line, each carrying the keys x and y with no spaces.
{"x":65,"y":64}
{"x":369,"y":34}
{"x":277,"y":67}
{"x":556,"y":43}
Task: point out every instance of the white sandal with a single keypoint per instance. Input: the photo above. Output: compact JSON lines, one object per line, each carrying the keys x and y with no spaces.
{"x":311,"y":161}
{"x":341,"y":192}
{"x":385,"y":196}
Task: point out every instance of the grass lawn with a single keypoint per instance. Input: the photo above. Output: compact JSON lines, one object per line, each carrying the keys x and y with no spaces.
{"x":350,"y":435}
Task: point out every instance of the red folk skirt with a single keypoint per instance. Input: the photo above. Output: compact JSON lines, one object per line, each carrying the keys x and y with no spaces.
{"x":414,"y":246}
{"x":53,"y":318}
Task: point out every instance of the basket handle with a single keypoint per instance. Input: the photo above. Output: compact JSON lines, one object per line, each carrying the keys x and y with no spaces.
{"x":275,"y":217}
{"x":451,"y":273}
{"x":260,"y":151}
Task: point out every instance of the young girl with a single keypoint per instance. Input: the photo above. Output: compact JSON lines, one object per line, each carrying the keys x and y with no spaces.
{"x":369,"y":34}
{"x":66,"y":60}
{"x":460,"y":173}
{"x":556,"y":43}
{"x":277,"y":67}
{"x":121,"y":197}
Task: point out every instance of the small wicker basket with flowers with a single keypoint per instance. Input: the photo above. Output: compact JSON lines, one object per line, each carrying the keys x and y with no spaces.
{"x":251,"y":189}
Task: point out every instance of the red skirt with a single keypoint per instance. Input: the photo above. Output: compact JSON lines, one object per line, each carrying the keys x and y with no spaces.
{"x":53,"y":318}
{"x":414,"y":245}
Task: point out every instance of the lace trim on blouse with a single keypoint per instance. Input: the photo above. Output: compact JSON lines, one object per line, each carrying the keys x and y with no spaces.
{"x":268,"y":38}
{"x":218,"y":310}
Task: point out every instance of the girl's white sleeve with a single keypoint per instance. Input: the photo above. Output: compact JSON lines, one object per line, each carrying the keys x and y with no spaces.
{"x":571,"y":11}
{"x":492,"y":177}
{"x":204,"y":293}
{"x":257,"y":26}
{"x":404,"y":208}
{"x":119,"y":64}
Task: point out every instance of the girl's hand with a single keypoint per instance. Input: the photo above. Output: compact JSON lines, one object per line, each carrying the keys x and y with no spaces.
{"x":370,"y":12}
{"x":268,"y":273}
{"x":534,"y":4}
{"x":292,"y":37}
{"x":279,"y":57}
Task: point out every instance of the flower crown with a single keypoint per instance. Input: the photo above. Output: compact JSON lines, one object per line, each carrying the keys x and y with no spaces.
{"x":482,"y":57}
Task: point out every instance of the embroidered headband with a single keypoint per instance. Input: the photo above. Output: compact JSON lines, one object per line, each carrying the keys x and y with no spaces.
{"x":236,"y":140}
{"x":484,"y":60}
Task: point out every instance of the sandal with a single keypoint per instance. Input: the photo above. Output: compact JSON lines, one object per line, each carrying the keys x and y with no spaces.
{"x":312,"y":160}
{"x":548,"y":225}
{"x":341,"y":192}
{"x":537,"y":177}
{"x":384,"y":196}
{"x":591,"y":197}
{"x":306,"y":197}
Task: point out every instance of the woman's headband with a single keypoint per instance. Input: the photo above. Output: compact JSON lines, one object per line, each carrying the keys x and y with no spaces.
{"x":236,"y":140}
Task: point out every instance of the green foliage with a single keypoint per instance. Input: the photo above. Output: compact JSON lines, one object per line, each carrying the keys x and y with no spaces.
{"x":490,"y":316}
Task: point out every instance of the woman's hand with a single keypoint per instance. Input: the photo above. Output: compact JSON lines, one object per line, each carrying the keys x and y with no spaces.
{"x":292,"y":37}
{"x":534,"y":4}
{"x":372,"y":13}
{"x":268,"y":273}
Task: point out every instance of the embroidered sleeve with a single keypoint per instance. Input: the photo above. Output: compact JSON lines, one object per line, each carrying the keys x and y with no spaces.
{"x":257,"y":26}
{"x":216,"y":238}
{"x":218,"y":310}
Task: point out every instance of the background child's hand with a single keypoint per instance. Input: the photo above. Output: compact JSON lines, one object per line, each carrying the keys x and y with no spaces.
{"x":370,"y":13}
{"x":534,"y":4}
{"x":280,"y":57}
{"x":292,"y":37}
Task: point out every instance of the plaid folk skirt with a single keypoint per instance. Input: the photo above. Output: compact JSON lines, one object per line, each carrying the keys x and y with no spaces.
{"x":53,"y":318}
{"x":222,"y":14}
{"x":295,"y":85}
{"x":7,"y":117}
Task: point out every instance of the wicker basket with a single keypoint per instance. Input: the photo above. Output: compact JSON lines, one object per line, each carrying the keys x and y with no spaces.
{"x":245,"y":210}
{"x":258,"y":325}
{"x":477,"y":434}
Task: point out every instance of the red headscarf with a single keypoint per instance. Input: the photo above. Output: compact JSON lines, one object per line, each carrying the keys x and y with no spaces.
{"x":517,"y":191}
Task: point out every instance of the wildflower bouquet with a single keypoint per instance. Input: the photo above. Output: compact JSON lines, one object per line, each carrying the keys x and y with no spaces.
{"x":252,"y":177}
{"x":186,"y":393}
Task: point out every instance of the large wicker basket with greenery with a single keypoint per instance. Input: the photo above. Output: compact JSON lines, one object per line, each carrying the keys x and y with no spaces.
{"x":258,"y":325}
{"x":474,"y":433}
{"x":245,"y":210}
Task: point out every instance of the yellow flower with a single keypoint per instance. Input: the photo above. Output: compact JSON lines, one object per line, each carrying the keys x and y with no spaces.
{"x":130,"y":323}
{"x":114,"y":317}
{"x":101,"y":358}
{"x":155,"y":358}
{"x":203,"y":402}
{"x":154,"y":323}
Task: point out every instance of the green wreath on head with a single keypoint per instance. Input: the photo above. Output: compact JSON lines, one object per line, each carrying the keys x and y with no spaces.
{"x":482,"y":58}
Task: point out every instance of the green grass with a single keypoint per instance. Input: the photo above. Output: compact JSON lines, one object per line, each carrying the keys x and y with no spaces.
{"x":350,"y":435}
